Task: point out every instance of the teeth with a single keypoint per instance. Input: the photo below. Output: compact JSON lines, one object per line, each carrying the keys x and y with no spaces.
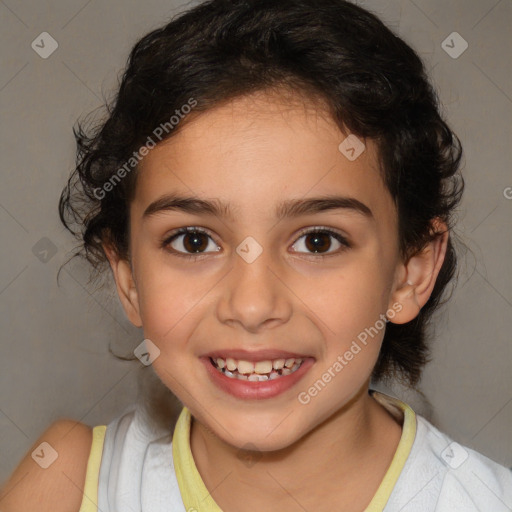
{"x":245,"y":367}
{"x":278,"y":364}
{"x":262,"y":367}
{"x":259,"y":371}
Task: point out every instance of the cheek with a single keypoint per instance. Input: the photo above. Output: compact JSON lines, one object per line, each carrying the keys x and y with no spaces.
{"x":168,"y":302}
{"x":349,"y":299}
{"x":168,"y":318}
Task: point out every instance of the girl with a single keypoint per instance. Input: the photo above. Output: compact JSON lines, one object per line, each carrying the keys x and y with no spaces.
{"x":273,"y":190}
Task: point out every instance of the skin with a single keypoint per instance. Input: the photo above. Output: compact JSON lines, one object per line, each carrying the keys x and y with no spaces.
{"x":254,"y":152}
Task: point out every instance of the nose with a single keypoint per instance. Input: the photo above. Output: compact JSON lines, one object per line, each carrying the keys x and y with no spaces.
{"x":254,"y":295}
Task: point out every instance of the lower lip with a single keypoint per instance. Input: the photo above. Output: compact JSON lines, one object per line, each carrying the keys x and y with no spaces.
{"x":256,"y":390}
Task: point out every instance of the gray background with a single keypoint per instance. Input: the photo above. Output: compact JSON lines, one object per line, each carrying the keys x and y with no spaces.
{"x":55,"y":362}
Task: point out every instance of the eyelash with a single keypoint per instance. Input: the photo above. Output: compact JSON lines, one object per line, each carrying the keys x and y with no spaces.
{"x":193,"y":257}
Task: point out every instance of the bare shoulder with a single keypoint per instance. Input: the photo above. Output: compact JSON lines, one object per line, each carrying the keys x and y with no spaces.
{"x":52,"y":480}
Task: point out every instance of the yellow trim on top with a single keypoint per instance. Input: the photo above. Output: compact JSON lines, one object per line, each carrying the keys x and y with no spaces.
{"x":196,"y":496}
{"x":90,"y":496}
{"x":403,"y":450}
{"x":194,"y":493}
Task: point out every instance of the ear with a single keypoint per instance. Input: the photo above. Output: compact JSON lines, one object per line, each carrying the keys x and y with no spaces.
{"x":417,"y":277}
{"x":125,"y":285}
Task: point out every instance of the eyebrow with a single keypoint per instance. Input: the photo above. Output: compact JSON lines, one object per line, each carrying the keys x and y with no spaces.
{"x":288,"y":208}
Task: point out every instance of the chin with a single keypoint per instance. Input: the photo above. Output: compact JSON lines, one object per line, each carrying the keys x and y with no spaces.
{"x":259,"y":433}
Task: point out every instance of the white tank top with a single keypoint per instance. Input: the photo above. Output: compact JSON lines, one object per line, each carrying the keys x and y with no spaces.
{"x":137,"y":468}
{"x":138,"y":471}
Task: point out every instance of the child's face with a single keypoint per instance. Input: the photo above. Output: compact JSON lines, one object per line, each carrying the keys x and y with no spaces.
{"x":253,"y":154}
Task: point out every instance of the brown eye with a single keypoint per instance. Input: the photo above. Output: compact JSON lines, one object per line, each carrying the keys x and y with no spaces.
{"x":195,"y":242}
{"x":320,"y":241}
{"x":189,"y":241}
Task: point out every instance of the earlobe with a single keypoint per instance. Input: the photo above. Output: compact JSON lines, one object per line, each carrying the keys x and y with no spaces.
{"x":125,"y":285}
{"x":418,"y":276}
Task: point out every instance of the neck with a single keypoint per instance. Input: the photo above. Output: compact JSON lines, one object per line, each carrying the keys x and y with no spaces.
{"x":354,"y":447}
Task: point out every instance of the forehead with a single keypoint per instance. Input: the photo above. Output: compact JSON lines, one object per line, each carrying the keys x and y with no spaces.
{"x":255,"y":151}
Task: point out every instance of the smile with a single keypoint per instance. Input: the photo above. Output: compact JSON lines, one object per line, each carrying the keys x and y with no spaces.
{"x":257,"y":371}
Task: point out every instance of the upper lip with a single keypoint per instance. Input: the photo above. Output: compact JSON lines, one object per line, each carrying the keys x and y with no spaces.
{"x":255,"y":355}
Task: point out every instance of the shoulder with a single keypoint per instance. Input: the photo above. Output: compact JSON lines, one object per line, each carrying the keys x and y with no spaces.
{"x":450,"y":476}
{"x":51,"y":476}
{"x":473,"y":482}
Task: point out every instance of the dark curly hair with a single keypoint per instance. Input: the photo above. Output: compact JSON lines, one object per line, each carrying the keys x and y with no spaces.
{"x":370,"y":81}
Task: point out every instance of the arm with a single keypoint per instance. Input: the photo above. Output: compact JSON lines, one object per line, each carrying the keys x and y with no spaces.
{"x":59,"y":487}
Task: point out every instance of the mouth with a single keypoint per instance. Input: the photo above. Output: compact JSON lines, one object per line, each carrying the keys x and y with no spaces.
{"x":257,"y":375}
{"x":256,"y":371}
